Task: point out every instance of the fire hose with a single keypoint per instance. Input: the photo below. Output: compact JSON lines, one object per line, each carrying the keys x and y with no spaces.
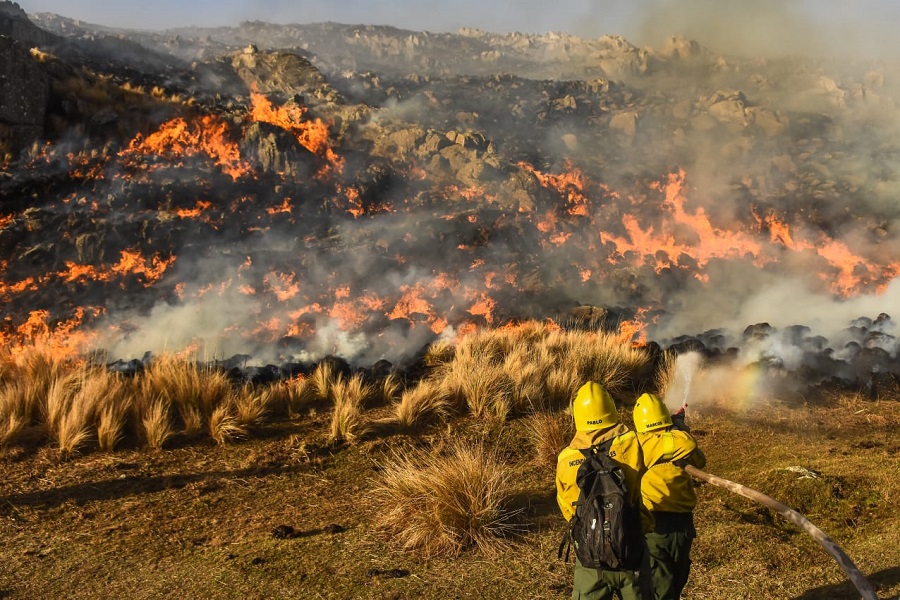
{"x":856,"y":577}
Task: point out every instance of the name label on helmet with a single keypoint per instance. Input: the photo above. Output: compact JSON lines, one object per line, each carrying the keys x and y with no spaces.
{"x":597,"y":422}
{"x":657,"y":424}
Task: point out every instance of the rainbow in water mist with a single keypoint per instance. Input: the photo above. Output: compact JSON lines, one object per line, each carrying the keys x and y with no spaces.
{"x":734,"y":386}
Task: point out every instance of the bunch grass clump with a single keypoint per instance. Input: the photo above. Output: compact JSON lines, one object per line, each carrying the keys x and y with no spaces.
{"x":13,"y":417}
{"x":444,"y":504}
{"x":505,"y":372}
{"x":194,"y":390}
{"x":548,"y":432}
{"x":421,"y":405}
{"x":224,"y":425}
{"x":156,"y":423}
{"x":252,"y":405}
{"x":322,"y":380}
{"x":66,"y":415}
{"x":348,"y":421}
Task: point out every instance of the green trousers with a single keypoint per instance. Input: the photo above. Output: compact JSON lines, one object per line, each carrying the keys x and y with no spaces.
{"x":668,"y":553}
{"x":595,"y":584}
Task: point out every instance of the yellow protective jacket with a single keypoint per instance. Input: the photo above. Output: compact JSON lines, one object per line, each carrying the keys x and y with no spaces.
{"x":625,"y":450}
{"x":665,"y":486}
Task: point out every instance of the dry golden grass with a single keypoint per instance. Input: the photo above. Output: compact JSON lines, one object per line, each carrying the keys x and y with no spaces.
{"x":37,"y":368}
{"x":504,"y":372}
{"x":548,"y":433}
{"x":389,"y":389}
{"x":444,"y":504}
{"x":605,"y":359}
{"x":73,"y":429}
{"x":421,"y":405}
{"x":107,"y":396}
{"x":195,"y":391}
{"x":251,"y":405}
{"x":14,"y":416}
{"x":111,"y":421}
{"x":526,"y":375}
{"x":348,"y":421}
{"x":287,"y":397}
{"x":485,"y":391}
{"x":439,"y":353}
{"x":70,"y":399}
{"x":490,"y":374}
{"x":68,"y":412}
{"x":224,"y":426}
{"x":560,"y":387}
{"x":665,"y":374}
{"x":156,"y":423}
{"x":322,"y":380}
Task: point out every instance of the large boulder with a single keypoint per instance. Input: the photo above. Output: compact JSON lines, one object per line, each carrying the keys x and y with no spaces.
{"x":284,"y":73}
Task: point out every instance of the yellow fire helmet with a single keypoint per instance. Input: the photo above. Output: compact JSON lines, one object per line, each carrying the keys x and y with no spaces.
{"x":594,"y":408}
{"x":651,"y":413}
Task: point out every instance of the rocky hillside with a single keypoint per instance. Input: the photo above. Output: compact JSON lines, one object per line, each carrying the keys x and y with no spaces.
{"x":289,"y":191}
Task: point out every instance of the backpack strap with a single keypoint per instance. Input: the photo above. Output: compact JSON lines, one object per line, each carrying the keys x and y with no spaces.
{"x":565,"y":543}
{"x":603,"y":447}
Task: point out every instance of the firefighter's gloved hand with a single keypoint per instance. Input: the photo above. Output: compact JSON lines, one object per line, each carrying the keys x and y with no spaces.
{"x":678,"y":421}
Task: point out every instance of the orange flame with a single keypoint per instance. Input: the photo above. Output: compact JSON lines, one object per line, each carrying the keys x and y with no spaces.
{"x":312,"y":134}
{"x":694,"y":236}
{"x":570,"y":185}
{"x":178,"y":138}
{"x":193,"y":213}
{"x":634,"y":331}
{"x":282,"y":285}
{"x":61,"y":339}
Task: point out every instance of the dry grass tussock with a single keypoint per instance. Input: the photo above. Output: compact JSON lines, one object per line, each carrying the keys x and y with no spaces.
{"x":389,"y":389}
{"x":252,"y":405}
{"x":322,"y":380}
{"x":348,"y":421}
{"x":421,"y":405}
{"x":548,"y":433}
{"x":509,"y":371}
{"x":490,"y":374}
{"x":111,"y":403}
{"x":156,"y":424}
{"x":13,"y":418}
{"x":30,"y":372}
{"x":666,"y":373}
{"x":443,"y":504}
{"x":287,"y":397}
{"x":224,"y":425}
{"x":484,"y":391}
{"x":194,"y":390}
{"x":82,"y":403}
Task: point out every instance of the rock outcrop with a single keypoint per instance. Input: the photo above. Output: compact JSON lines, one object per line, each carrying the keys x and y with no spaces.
{"x":24,"y":91}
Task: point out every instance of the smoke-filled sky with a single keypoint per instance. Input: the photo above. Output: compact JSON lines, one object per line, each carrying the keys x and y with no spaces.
{"x":861,"y":28}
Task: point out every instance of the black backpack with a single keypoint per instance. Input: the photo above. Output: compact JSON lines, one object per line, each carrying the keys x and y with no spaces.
{"x":606,"y":529}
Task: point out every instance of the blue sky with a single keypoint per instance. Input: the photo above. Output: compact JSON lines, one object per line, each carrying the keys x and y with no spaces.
{"x":858,"y":27}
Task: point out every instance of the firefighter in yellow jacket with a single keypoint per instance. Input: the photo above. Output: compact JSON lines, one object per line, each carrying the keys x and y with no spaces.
{"x":596,"y":420}
{"x":668,"y":493}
